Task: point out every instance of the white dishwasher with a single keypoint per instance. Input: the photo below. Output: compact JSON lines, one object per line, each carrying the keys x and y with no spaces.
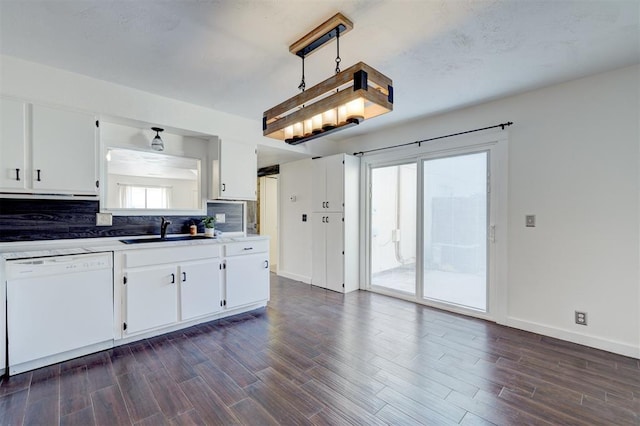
{"x":58,"y":308}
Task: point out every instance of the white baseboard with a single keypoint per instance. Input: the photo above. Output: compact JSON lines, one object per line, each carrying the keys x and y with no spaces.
{"x":296,"y":277}
{"x":620,"y":348}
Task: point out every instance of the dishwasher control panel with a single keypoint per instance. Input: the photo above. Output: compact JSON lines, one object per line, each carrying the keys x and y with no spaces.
{"x":54,"y":265}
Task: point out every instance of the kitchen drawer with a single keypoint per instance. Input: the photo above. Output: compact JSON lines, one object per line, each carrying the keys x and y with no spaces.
{"x":164,"y":255}
{"x":247,"y":247}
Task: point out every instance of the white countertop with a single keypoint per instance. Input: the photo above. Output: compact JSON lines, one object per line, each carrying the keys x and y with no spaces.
{"x":27,"y":249}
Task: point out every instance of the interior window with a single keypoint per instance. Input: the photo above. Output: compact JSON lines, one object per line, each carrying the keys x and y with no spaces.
{"x":144,"y":197}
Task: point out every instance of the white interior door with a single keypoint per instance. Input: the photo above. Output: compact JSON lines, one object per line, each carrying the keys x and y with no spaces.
{"x":269,"y":215}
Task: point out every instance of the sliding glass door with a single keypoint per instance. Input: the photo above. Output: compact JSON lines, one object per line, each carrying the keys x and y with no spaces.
{"x":455,"y":206}
{"x":393,"y":227}
{"x":431,"y":228}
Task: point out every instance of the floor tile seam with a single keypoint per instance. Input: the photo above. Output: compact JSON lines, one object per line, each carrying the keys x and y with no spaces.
{"x":518,"y":409}
{"x":554,"y":384}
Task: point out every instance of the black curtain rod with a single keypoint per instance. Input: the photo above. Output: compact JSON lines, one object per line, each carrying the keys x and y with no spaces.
{"x":502,"y":126}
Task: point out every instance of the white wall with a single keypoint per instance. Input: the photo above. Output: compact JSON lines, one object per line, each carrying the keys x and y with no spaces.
{"x":51,"y":86}
{"x":574,"y":161}
{"x":295,"y":235}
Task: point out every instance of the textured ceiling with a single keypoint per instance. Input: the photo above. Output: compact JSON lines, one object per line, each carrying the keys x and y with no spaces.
{"x":232,"y":55}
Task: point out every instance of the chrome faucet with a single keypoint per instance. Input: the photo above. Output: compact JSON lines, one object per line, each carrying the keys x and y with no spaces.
{"x":163,"y":227}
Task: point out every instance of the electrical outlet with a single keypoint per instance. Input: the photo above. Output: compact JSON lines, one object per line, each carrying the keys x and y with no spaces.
{"x":221,"y":217}
{"x":104,"y":219}
{"x":581,"y":318}
{"x":530,"y":220}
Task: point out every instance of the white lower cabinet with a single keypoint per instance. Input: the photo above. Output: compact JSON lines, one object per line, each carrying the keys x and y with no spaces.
{"x":247,"y":279}
{"x":246,"y":273}
{"x":152,"y":298}
{"x":199,"y":288}
{"x":166,"y":288}
{"x":163,"y":286}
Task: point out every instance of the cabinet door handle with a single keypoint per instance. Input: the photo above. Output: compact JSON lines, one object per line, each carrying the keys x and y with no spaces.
{"x":38,"y":175}
{"x":323,"y":219}
{"x":17,"y":174}
{"x":224,"y":187}
{"x":327,"y":204}
{"x":173,"y":278}
{"x":266,"y":264}
{"x":248,"y":248}
{"x":184,"y":277}
{"x":327,"y":219}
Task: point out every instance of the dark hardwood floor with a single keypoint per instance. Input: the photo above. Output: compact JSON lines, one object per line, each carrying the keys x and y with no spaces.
{"x":318,"y":357}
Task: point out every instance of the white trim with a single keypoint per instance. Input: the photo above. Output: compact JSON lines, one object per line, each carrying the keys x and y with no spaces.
{"x":124,"y":338}
{"x":579,"y":338}
{"x":302,"y":278}
{"x":433,"y":304}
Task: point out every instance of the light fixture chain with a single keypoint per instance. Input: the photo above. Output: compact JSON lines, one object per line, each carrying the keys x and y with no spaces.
{"x":338,"y":50}
{"x":302,"y":85}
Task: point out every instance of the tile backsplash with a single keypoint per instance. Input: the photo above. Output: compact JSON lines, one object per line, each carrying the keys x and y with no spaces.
{"x":37,"y":219}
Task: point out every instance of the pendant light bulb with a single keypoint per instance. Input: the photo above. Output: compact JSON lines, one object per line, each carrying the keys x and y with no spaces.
{"x":157,"y":144}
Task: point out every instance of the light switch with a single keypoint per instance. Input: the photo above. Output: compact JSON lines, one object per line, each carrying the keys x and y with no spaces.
{"x":530,"y":220}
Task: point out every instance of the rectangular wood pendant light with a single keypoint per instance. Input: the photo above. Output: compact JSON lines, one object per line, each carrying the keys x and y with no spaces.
{"x":341,"y":101}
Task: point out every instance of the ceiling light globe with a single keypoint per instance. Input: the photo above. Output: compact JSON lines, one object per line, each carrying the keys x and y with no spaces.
{"x":157,"y":144}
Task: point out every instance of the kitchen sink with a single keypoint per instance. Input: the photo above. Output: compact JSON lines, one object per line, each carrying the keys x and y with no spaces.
{"x":166,"y":239}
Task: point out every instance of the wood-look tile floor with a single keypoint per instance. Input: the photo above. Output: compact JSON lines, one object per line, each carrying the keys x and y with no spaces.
{"x":317,"y":357}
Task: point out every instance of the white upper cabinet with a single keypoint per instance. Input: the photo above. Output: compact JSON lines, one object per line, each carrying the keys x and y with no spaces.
{"x":234,"y":168}
{"x":328,"y":184}
{"x":64,"y":151}
{"x":46,"y":150}
{"x":12,"y":144}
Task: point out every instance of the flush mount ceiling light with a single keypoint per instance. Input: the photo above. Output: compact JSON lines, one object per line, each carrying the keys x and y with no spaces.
{"x":156,"y":143}
{"x":341,"y":101}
